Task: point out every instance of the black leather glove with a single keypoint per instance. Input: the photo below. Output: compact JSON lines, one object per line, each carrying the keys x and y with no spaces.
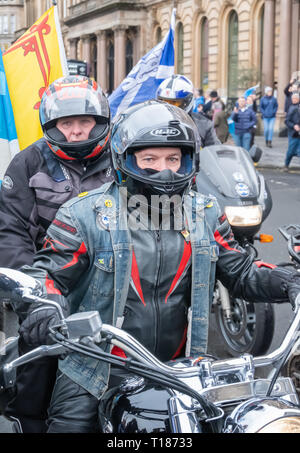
{"x":284,"y":285}
{"x":293,"y":288}
{"x":35,"y":328}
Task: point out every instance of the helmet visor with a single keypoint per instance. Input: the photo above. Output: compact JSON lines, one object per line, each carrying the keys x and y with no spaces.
{"x":159,"y":127}
{"x":183,"y":103}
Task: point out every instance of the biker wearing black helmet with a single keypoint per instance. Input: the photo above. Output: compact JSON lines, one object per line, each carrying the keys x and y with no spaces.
{"x":156,"y":282}
{"x":154,"y":125}
{"x":179,"y":90}
{"x":37,"y":182}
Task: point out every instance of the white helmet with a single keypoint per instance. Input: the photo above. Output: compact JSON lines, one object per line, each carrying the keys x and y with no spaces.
{"x":177,"y":90}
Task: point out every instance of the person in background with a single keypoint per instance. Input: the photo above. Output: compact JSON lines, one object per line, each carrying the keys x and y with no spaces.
{"x":198,"y":101}
{"x":251,"y":103}
{"x":292,"y":87}
{"x":178,"y":90}
{"x":208,"y":106}
{"x":244,"y":119}
{"x":293,"y":124}
{"x":220,"y":122}
{"x":268,"y":107}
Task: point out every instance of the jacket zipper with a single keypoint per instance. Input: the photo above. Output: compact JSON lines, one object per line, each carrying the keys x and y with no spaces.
{"x":156,"y":301}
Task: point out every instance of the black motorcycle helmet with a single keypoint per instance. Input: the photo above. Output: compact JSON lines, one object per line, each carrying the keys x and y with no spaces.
{"x":74,"y":96}
{"x":155,"y":124}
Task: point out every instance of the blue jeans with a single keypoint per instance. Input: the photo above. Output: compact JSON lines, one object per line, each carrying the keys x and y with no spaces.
{"x":243,"y":140}
{"x":293,"y":149}
{"x":269,"y":128}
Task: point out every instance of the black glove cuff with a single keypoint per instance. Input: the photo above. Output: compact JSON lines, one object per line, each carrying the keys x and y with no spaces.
{"x":279,"y":281}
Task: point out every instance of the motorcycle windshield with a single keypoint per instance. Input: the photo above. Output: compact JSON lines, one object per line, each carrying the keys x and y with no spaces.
{"x":231,"y":170}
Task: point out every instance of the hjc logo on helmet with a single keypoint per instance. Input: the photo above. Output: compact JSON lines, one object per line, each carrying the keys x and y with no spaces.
{"x":163,"y":131}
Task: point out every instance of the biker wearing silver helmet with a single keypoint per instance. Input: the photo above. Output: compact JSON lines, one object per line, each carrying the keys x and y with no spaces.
{"x":37,"y":182}
{"x":178,"y":90}
{"x":80,"y":96}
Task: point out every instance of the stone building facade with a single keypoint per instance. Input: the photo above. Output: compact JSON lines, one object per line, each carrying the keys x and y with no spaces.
{"x":226,"y":45}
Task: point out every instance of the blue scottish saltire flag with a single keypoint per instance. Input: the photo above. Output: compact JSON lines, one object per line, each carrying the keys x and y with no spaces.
{"x":143,"y":80}
{"x":8,"y":135}
{"x":250,"y":90}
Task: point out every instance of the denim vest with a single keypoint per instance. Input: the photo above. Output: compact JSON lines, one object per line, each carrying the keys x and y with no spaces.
{"x":101,"y":223}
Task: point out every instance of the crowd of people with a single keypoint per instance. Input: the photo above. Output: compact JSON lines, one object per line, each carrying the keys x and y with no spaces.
{"x":244,"y":116}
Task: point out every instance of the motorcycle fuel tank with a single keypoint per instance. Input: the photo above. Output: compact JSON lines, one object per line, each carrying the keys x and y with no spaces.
{"x":136,"y":406}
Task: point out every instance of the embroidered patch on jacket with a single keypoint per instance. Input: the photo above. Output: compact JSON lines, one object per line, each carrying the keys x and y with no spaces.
{"x":65,"y":226}
{"x":7,"y":183}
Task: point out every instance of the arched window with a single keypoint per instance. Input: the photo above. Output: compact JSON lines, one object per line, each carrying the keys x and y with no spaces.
{"x":158,"y":35}
{"x":111,"y":67}
{"x":129,"y":56}
{"x":180,"y":62}
{"x":233,"y":28}
{"x":204,"y":54}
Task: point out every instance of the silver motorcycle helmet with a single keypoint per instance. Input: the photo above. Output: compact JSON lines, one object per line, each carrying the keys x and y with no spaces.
{"x":177,"y":90}
{"x":75,"y":96}
{"x":155,"y":124}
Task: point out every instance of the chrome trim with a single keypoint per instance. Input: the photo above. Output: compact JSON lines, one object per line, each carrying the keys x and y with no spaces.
{"x":245,"y":419}
{"x":182,"y":418}
{"x":237,"y":392}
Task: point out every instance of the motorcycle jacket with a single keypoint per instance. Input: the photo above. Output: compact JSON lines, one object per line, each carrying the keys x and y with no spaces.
{"x":88,"y":257}
{"x":206,"y":129}
{"x":35,"y":185}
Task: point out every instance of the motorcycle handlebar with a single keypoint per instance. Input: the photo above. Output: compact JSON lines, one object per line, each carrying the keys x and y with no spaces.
{"x":88,"y":324}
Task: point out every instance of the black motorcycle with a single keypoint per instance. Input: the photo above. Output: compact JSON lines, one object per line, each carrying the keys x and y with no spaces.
{"x":191,"y":395}
{"x":229,"y":174}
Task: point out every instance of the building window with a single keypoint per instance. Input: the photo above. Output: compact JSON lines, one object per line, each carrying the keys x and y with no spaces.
{"x":158,"y":37}
{"x":5,"y":25}
{"x":111,"y":67}
{"x":129,"y":56}
{"x":12,"y":23}
{"x":180,"y":62}
{"x":94,"y":57}
{"x":232,"y":55}
{"x":204,"y":54}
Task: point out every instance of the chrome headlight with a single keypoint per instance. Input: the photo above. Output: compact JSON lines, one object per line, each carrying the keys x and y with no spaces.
{"x":282,"y":425}
{"x":244,"y":215}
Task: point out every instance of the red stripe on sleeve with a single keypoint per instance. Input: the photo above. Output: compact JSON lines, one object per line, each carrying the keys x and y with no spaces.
{"x":262,"y":264}
{"x":50,"y":287}
{"x":220,"y":240}
{"x":82,"y":249}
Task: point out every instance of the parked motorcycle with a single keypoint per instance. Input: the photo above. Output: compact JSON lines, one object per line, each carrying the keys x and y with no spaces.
{"x":192,"y":395}
{"x":229,"y":174}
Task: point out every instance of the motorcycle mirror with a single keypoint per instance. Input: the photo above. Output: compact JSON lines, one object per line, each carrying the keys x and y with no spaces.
{"x":15,"y":286}
{"x":255,"y":153}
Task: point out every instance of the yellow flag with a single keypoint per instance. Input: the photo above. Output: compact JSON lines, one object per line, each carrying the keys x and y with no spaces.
{"x":34,"y":61}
